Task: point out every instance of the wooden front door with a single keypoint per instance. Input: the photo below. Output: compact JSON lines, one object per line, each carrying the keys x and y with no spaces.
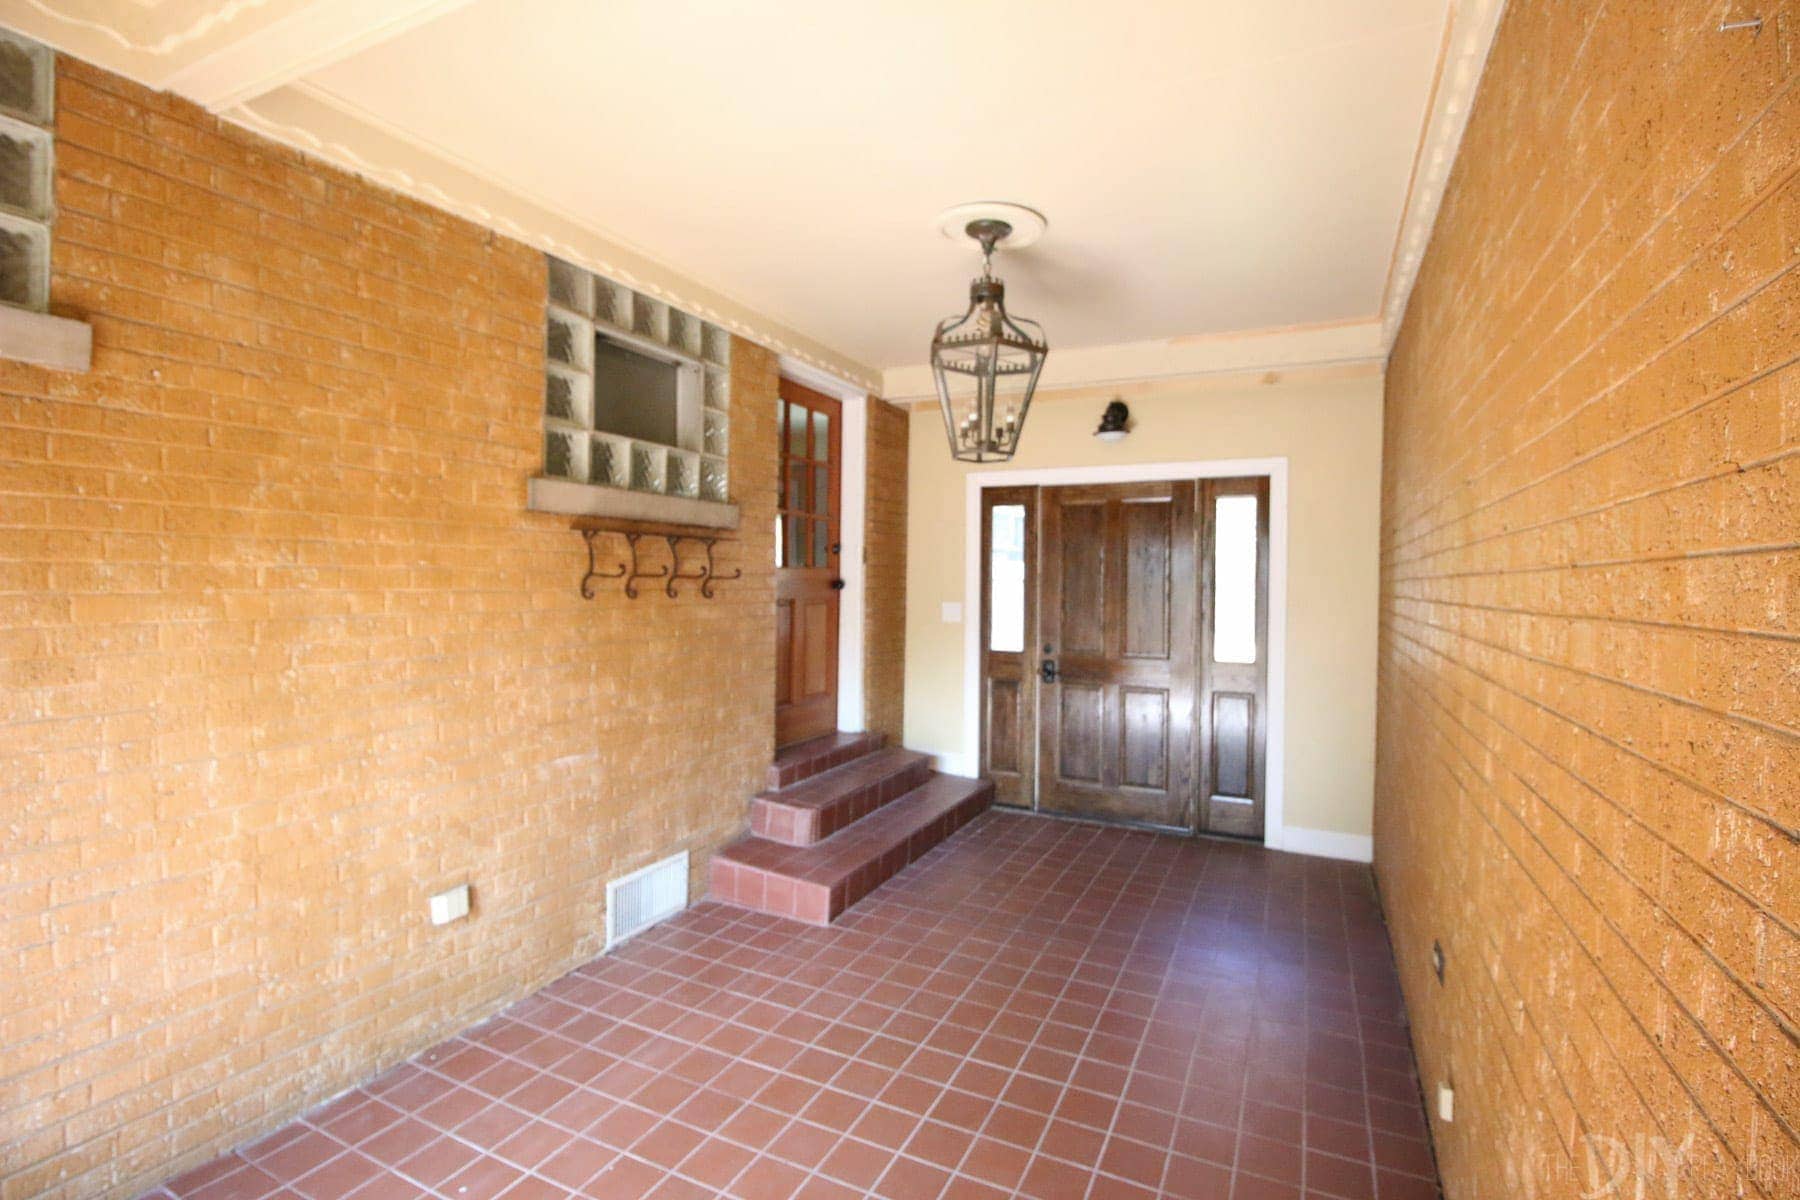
{"x":1124,"y":651}
{"x":1117,"y":644}
{"x":806,"y":559}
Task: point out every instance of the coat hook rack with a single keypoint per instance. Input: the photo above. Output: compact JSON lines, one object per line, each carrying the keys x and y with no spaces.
{"x":705,"y":575}
{"x":594,"y":572}
{"x":702,"y":570}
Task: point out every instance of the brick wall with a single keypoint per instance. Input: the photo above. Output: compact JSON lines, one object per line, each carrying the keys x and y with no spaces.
{"x":283,"y":653}
{"x":1589,"y":749}
{"x":884,"y":567}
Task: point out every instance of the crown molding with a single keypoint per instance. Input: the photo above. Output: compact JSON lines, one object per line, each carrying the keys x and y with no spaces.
{"x":298,"y":44}
{"x":1468,"y":36}
{"x":105,"y":23}
{"x":217,"y":55}
{"x":326,"y":127}
{"x":1285,"y":349}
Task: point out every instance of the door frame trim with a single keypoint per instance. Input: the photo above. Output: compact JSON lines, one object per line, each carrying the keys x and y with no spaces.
{"x":853,"y":449}
{"x":968,"y":763}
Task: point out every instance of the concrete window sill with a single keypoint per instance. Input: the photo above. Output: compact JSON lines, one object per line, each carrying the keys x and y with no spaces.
{"x":60,"y":343}
{"x":591,"y":500}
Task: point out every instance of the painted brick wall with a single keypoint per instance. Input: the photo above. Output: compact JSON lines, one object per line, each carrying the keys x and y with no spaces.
{"x":283,"y":653}
{"x":884,"y":571}
{"x":1589,"y":749}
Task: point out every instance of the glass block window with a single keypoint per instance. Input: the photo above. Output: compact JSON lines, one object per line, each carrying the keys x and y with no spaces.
{"x":27,"y":152}
{"x":637,"y":394}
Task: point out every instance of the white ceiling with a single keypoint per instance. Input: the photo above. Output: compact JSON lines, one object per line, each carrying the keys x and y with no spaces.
{"x":1205,"y":166}
{"x":1230,"y":186}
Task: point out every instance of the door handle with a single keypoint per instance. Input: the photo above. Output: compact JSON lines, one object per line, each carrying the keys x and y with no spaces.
{"x":1047,"y":670}
{"x":837,"y":585}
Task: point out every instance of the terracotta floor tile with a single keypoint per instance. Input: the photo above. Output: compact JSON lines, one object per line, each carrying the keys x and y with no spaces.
{"x":1030,"y":1002}
{"x":995,"y":1162}
{"x":483,"y":1179}
{"x":438,"y":1160}
{"x":909,"y":1179}
{"x":768,"y":1179}
{"x":246,"y":1182}
{"x":857,"y":1164}
{"x":575,"y":1162}
{"x":716,"y":1162}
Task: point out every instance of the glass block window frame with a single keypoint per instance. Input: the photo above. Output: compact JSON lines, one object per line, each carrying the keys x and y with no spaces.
{"x":27,"y":170}
{"x":583,"y":306}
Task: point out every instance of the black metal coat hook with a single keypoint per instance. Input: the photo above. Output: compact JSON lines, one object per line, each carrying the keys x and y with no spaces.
{"x":705,"y":575}
{"x":638,"y":573}
{"x":594,"y":572}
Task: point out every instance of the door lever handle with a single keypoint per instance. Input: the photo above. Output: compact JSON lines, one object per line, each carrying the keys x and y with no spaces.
{"x":837,"y":585}
{"x":1047,"y":670}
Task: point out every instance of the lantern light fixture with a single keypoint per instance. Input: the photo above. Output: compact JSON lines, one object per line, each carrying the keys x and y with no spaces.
{"x":986,"y":362}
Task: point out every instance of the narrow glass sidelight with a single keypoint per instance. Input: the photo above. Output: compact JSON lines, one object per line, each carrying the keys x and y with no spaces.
{"x":1234,"y":579}
{"x":1006,"y":579}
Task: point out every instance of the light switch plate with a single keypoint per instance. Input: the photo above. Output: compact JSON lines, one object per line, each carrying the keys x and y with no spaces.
{"x":449,"y":906}
{"x":952,"y":612}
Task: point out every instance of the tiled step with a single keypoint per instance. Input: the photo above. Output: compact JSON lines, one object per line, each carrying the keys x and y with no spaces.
{"x":814,"y":809}
{"x":805,"y":759}
{"x":816,"y":883}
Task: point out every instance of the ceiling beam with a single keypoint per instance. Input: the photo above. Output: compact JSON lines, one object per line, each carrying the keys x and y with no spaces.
{"x":298,"y":44}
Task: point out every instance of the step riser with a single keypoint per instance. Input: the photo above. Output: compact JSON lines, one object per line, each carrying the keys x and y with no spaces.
{"x":794,"y":825}
{"x":768,"y":891}
{"x":792,"y":767}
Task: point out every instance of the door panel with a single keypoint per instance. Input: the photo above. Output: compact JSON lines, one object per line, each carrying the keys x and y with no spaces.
{"x":1008,"y":664}
{"x":1234,"y":652}
{"x":1121,"y":635}
{"x":1145,"y":753}
{"x":1082,"y":567}
{"x":1148,"y":539}
{"x":1231,"y":730}
{"x":1080,"y":729}
{"x":1003,"y":710}
{"x":806,"y":600}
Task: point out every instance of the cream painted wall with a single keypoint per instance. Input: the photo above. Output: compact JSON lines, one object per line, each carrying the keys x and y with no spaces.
{"x":1329,"y":430}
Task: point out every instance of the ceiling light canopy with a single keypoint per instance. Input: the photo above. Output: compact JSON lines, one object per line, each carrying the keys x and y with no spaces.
{"x":985,"y":351}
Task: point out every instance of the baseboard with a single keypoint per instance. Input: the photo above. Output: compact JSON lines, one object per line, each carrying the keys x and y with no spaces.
{"x":1327,"y":843}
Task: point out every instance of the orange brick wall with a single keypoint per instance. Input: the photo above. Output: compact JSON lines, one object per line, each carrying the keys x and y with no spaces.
{"x":1589,"y":748}
{"x":283,"y":653}
{"x":884,"y":570}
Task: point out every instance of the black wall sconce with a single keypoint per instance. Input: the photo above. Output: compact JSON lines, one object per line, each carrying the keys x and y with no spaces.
{"x":1114,"y":422}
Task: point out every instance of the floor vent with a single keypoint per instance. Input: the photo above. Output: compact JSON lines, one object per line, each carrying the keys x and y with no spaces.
{"x":648,"y":895}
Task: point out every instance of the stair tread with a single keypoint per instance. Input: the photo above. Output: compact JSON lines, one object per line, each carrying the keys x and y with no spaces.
{"x":843,"y":853}
{"x":803,"y":760}
{"x":821,"y":790}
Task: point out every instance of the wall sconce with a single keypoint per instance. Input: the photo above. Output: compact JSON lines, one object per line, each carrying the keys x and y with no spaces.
{"x":1114,"y":422}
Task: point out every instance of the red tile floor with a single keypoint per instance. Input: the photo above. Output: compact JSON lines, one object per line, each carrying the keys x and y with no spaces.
{"x":1035,"y":1008}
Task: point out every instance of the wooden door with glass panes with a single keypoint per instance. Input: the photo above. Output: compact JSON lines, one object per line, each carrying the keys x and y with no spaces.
{"x":1124,"y":651}
{"x":806,"y":562}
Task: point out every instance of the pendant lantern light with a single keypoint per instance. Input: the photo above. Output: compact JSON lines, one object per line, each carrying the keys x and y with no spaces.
{"x":986,"y":362}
